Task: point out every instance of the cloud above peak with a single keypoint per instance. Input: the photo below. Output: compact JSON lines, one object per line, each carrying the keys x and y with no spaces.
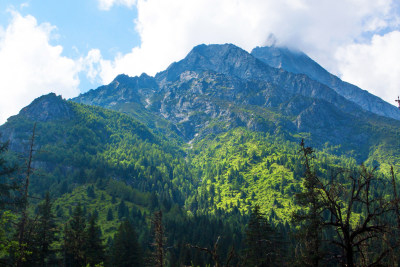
{"x":373,"y":66}
{"x":30,"y":66}
{"x":170,"y":28}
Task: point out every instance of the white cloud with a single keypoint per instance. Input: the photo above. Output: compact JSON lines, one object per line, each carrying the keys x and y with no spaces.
{"x":170,"y":28}
{"x":374,"y":66}
{"x":31,"y":67}
{"x":107,"y":4}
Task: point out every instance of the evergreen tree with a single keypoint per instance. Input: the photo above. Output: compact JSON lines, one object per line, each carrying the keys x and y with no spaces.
{"x":153,"y":201}
{"x":309,"y":217}
{"x":260,"y":241}
{"x":44,"y":235}
{"x":90,"y":192}
{"x":74,"y":239}
{"x":6,"y":201}
{"x":126,"y":250}
{"x":123,"y":210}
{"x":6,"y":187}
{"x":94,"y":248}
{"x":110,"y":216}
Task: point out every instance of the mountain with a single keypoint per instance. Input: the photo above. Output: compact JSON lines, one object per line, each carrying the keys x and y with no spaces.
{"x":220,"y":87}
{"x":300,"y":63}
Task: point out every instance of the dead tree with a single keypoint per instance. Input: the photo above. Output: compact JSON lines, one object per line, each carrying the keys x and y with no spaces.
{"x":214,"y":253}
{"x":25,"y":195}
{"x":358,"y":208}
{"x":358,"y":211}
{"x":159,"y":239}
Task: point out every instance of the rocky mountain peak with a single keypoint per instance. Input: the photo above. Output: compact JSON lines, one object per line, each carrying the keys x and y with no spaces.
{"x":221,"y":58}
{"x":47,"y":108}
{"x":122,"y":78}
{"x":299,"y":63}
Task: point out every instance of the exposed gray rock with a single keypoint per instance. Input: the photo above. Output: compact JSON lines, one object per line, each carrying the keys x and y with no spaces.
{"x":47,"y":108}
{"x":299,"y":63}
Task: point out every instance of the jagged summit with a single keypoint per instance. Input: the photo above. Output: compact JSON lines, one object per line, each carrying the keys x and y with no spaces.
{"x":299,"y":63}
{"x":126,"y":79}
{"x":123,"y":89}
{"x":225,"y":59}
{"x":48,"y":107}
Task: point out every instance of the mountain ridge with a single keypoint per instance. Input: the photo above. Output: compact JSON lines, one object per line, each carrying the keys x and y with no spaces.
{"x":300,"y":63}
{"x":219,"y":87}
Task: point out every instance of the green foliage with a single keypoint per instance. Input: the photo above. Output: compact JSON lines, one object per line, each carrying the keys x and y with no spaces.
{"x":126,"y":250}
{"x":121,"y":172}
{"x":94,"y":248}
{"x":74,"y":239}
{"x":100,"y":144}
{"x":44,"y":236}
{"x":7,"y":244}
{"x":308,"y":219}
{"x":241,"y":168}
{"x":263,"y":245}
{"x":9,"y":197}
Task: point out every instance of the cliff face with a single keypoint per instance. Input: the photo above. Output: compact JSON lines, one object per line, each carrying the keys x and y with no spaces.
{"x":299,"y":63}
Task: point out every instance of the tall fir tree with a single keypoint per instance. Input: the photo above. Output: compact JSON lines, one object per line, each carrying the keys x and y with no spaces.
{"x":94,"y":248}
{"x":126,"y":250}
{"x":44,"y":235}
{"x":309,"y":218}
{"x":74,"y":239}
{"x":260,"y":242}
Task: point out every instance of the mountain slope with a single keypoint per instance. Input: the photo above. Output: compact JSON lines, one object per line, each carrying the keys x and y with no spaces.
{"x":78,"y":144}
{"x":131,"y":95}
{"x":299,"y":63}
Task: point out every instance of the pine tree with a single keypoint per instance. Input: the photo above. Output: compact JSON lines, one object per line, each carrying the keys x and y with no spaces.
{"x":6,"y":202}
{"x":44,"y":235}
{"x":74,"y":239}
{"x":309,"y":217}
{"x":94,"y":248}
{"x":110,"y":216}
{"x":6,"y":187}
{"x":123,"y":210}
{"x":126,"y":250}
{"x":259,"y":241}
{"x":90,"y":192}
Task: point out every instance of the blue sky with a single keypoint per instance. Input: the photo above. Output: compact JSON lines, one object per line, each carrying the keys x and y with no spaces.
{"x":70,"y":46}
{"x":80,"y":24}
{"x":80,"y":27}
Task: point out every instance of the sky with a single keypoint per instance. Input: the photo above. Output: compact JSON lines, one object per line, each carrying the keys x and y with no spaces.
{"x":71,"y":46}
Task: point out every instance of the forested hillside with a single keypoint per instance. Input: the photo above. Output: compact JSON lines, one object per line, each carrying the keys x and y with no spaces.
{"x":220,"y":160}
